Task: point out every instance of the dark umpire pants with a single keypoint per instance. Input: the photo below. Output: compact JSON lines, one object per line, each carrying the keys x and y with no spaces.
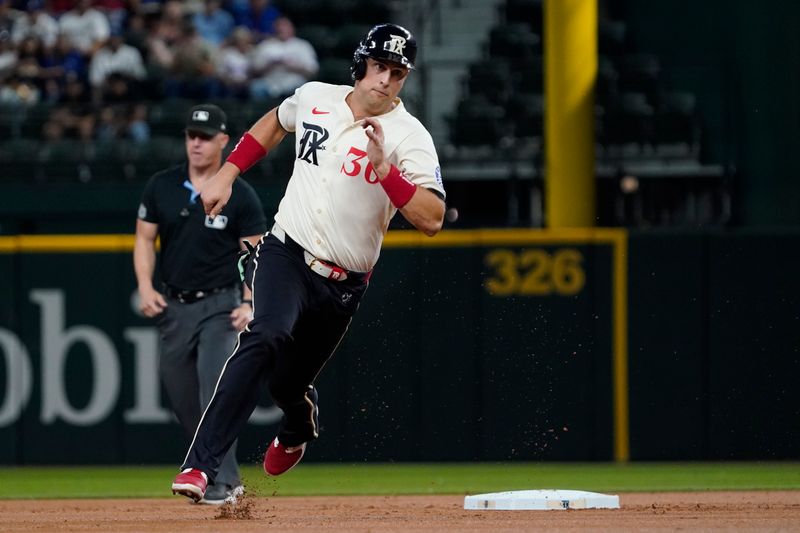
{"x":299,"y":320}
{"x":196,"y":339}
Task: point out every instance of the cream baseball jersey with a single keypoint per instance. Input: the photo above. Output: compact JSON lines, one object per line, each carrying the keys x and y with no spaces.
{"x":334,"y":206}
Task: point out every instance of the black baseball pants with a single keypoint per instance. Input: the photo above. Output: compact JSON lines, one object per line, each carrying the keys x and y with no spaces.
{"x":299,"y":320}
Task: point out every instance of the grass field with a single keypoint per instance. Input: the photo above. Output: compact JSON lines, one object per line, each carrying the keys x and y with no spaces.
{"x":439,"y":478}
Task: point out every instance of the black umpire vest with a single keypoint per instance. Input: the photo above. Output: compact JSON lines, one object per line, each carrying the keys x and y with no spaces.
{"x":198,"y":253}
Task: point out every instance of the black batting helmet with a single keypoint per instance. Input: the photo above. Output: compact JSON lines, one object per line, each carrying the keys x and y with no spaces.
{"x":388,"y":42}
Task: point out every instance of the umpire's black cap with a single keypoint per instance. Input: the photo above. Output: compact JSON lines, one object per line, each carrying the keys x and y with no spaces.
{"x":207,"y":119}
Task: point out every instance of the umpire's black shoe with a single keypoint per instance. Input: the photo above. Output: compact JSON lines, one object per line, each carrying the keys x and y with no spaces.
{"x":222,"y":493}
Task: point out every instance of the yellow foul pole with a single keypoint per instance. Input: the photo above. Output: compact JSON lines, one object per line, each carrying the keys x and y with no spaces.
{"x":570,"y":31}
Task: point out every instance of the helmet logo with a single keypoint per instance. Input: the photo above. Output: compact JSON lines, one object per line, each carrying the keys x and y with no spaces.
{"x":395,"y":44}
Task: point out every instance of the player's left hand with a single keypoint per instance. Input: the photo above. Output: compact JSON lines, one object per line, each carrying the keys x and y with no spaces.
{"x":241,"y":316}
{"x":372,"y":127}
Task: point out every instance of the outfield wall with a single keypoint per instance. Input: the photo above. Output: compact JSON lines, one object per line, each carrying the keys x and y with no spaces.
{"x":474,"y":345}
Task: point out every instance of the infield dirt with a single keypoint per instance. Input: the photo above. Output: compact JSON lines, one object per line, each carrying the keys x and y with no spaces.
{"x":694,"y":511}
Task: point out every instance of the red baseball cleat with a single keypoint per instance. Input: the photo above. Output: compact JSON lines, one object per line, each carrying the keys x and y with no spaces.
{"x":280,"y":458}
{"x":191,"y":483}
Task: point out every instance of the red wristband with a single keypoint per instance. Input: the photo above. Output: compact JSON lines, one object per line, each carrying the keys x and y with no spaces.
{"x":246,"y":153}
{"x":397,"y":187}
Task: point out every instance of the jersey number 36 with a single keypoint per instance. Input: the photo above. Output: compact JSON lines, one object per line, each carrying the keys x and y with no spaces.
{"x":352,"y":165}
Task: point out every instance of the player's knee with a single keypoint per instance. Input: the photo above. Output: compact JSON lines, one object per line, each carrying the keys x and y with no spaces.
{"x":271,"y":336}
{"x":289,"y":396}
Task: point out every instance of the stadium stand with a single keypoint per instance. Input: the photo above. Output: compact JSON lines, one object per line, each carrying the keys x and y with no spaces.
{"x":645,"y":129}
{"x":56,"y":129}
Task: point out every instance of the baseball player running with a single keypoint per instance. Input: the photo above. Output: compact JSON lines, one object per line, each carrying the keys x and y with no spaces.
{"x":360,"y":157}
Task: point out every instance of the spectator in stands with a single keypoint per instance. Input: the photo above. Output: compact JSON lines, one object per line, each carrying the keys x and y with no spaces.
{"x":29,"y":62}
{"x":283,"y":63}
{"x":122,"y":121}
{"x":193,"y":73}
{"x":116,"y":11}
{"x":86,"y":27}
{"x":233,"y":63}
{"x":74,"y":116}
{"x":138,"y":129}
{"x":166,"y":31}
{"x":115,"y":57}
{"x":108,"y":125}
{"x":35,"y":22}
{"x":172,"y":19}
{"x":136,"y":34}
{"x":161,"y":43}
{"x":18,"y":91}
{"x":63,"y":62}
{"x":118,"y":89}
{"x":8,"y":56}
{"x":259,"y":18}
{"x":214,"y":24}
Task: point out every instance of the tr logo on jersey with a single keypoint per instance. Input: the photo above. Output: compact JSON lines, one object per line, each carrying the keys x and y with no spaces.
{"x":395,"y":44}
{"x":313,"y":137}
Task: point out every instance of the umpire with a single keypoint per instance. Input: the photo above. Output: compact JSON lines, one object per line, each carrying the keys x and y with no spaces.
{"x":200,"y":309}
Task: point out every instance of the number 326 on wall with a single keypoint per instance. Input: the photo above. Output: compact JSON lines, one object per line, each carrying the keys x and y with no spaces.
{"x":534,"y":272}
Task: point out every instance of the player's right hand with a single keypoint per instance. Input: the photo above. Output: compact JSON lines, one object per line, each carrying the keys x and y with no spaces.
{"x":151,"y":302}
{"x":217,"y":190}
{"x":374,"y":130}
